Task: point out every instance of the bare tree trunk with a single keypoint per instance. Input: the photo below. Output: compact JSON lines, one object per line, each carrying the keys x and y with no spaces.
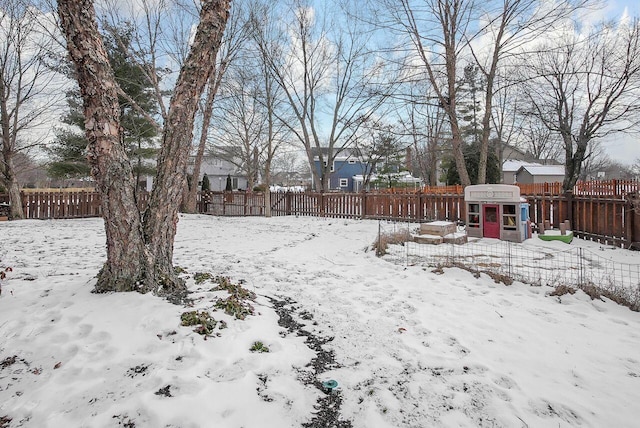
{"x":125,"y":267}
{"x":15,"y":200}
{"x":267,"y":187}
{"x":161,"y":217}
{"x":207,"y":112}
{"x":139,"y":256}
{"x":7,"y":168}
{"x":9,"y":179}
{"x":573,"y":166}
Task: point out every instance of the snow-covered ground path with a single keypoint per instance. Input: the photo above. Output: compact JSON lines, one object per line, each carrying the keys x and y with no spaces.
{"x":413,"y":348}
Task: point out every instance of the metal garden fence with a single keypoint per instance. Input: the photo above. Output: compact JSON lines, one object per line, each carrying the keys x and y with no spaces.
{"x":574,"y":267}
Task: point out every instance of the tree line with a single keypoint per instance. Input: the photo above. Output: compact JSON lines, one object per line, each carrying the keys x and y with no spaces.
{"x":250,"y":81}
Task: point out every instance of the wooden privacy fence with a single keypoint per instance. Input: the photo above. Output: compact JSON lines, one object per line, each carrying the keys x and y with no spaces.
{"x":44,"y":205}
{"x":613,"y":188}
{"x":409,"y":207}
{"x":231,"y":203}
{"x":64,"y":204}
{"x":613,"y":220}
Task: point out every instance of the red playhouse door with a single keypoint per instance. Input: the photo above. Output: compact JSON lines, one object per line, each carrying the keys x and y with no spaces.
{"x":490,"y":223}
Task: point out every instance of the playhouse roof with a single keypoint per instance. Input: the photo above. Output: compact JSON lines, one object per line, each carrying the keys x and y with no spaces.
{"x":497,"y":193}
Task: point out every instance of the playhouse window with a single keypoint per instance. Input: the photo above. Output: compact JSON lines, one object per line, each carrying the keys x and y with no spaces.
{"x":509,"y":217}
{"x":473,"y":216}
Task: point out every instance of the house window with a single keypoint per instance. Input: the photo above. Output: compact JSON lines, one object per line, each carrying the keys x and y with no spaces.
{"x":352,"y":161}
{"x":509,"y":217}
{"x":473,"y":216}
{"x":344,"y":182}
{"x":333,"y":165}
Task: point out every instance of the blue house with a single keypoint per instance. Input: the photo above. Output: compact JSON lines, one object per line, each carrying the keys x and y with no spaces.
{"x":346,"y":164}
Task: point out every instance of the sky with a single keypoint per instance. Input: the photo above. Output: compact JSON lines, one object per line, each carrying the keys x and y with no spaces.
{"x":623,"y":148}
{"x":616,"y":7}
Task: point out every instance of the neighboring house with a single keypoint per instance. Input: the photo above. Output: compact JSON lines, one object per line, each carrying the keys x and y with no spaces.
{"x":217,"y":171}
{"x":528,"y":174}
{"x":347,"y":164}
{"x":513,"y":159}
{"x":511,"y":166}
{"x":349,"y":170}
{"x":513,"y":153}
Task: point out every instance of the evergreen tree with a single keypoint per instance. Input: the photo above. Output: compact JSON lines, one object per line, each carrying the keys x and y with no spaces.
{"x":469,"y":105}
{"x":470,"y":111}
{"x":392,"y":159}
{"x":472,"y":158}
{"x":139,"y":134}
{"x":68,"y":151}
{"x":206,"y":184}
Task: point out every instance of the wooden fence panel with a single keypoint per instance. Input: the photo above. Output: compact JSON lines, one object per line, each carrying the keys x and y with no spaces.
{"x":61,"y":205}
{"x":632,"y":221}
{"x":603,"y":220}
{"x":613,"y":220}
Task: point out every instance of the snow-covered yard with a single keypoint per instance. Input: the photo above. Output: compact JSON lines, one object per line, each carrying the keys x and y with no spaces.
{"x":407,"y":346}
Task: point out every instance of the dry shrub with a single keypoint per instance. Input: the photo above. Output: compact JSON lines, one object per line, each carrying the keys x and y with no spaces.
{"x":438,"y":270}
{"x":489,"y":265}
{"x":499,"y":277}
{"x":381,"y":245}
{"x":592,"y":291}
{"x":619,"y":294}
{"x":561,"y":290}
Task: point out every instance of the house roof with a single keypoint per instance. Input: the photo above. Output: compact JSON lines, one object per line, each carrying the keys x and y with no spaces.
{"x":511,"y":165}
{"x":342,"y":153}
{"x":508,"y":149}
{"x":542,"y":169}
{"x":402,"y":177}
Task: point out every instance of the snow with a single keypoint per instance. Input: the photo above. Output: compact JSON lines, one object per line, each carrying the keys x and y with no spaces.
{"x":440,"y":223}
{"x":413,"y":348}
{"x":285,"y":189}
{"x":544,"y":169}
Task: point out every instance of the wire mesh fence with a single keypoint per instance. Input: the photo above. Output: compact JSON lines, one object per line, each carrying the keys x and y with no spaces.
{"x":574,"y":267}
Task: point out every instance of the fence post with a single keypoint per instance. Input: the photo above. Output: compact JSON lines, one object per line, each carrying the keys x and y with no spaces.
{"x":406,"y":246}
{"x":453,"y":254}
{"x":378,"y":251}
{"x":568,"y":196}
{"x":509,"y":259}
{"x":580,"y":268}
{"x":632,"y":217}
